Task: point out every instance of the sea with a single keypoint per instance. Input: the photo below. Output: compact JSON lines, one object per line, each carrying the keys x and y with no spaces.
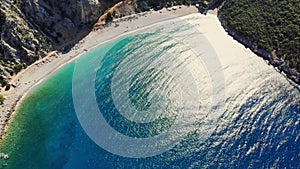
{"x":160,"y":97}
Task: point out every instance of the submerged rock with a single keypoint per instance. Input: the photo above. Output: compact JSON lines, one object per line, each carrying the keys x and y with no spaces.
{"x":4,"y":156}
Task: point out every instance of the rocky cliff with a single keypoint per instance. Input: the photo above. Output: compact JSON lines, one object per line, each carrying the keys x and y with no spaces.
{"x":31,"y":28}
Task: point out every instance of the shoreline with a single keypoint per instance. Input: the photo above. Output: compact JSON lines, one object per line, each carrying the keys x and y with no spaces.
{"x":42,"y":69}
{"x":279,"y":65}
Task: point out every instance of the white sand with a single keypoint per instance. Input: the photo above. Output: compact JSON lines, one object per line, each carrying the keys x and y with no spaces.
{"x":245,"y":73}
{"x":34,"y":74}
{"x":241,"y":67}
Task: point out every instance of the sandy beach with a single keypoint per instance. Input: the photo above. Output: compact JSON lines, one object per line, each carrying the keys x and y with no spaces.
{"x":234,"y":57}
{"x":222,"y":95}
{"x":37,"y":72}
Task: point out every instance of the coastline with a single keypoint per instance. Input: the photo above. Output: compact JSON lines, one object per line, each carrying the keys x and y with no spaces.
{"x":279,"y":65}
{"x":34,"y":74}
{"x":46,"y":132}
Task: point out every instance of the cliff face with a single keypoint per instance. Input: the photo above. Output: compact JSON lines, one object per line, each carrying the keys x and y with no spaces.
{"x":20,"y":42}
{"x":61,"y":20}
{"x":30,"y":28}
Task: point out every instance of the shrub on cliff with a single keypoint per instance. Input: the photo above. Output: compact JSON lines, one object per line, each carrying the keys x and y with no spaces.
{"x":2,"y":19}
{"x":109,"y":17}
{"x":7,"y":87}
{"x":17,"y":67}
{"x":2,"y":98}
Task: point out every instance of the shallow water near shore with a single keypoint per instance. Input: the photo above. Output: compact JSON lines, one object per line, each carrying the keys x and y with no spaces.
{"x":257,"y":126}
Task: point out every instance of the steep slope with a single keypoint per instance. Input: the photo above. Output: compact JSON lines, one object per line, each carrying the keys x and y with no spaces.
{"x":272,"y":26}
{"x":20,"y":43}
{"x":31,"y":28}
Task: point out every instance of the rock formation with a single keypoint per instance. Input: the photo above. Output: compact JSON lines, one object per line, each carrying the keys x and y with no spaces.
{"x":31,"y":28}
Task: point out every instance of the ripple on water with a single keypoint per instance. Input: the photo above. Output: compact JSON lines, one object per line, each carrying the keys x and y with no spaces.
{"x":258,"y":126}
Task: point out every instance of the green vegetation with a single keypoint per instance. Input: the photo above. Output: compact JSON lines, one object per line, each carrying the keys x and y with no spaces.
{"x":17,"y":67}
{"x":167,"y":3}
{"x":3,"y":82}
{"x":109,"y":17}
{"x":273,"y":25}
{"x":2,"y":98}
{"x":7,"y":87}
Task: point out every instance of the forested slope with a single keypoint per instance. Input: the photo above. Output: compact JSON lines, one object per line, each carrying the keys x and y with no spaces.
{"x":272,"y":25}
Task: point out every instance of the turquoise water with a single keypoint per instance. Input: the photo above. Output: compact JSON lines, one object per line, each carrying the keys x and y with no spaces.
{"x":261,"y":130}
{"x":36,"y":123}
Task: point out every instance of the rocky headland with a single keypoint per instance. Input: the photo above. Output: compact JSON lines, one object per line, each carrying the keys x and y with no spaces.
{"x":270,"y":29}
